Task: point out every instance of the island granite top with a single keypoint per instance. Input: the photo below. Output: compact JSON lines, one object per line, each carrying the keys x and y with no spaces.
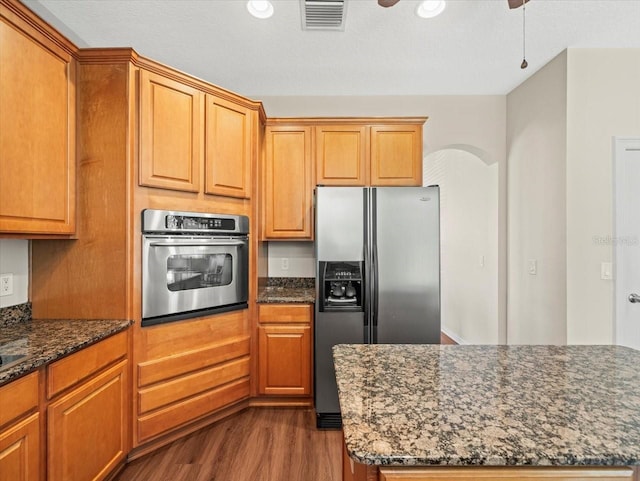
{"x":490,"y":405}
{"x":45,"y":341}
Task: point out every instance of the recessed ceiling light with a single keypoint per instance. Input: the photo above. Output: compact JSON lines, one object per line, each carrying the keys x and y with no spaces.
{"x":430,"y":8}
{"x":260,"y":8}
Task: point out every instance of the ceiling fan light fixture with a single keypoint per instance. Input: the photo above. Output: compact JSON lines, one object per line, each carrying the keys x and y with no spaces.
{"x":430,"y":8}
{"x":260,"y":8}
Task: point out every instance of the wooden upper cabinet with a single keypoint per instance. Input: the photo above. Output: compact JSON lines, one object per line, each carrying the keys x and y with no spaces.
{"x":229,"y":143}
{"x":342,"y":156}
{"x":171,"y":129}
{"x":37,"y":131}
{"x":288,"y":210}
{"x":396,"y":155}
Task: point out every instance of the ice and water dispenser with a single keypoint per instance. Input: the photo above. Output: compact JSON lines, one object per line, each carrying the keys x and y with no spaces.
{"x":341,"y":286}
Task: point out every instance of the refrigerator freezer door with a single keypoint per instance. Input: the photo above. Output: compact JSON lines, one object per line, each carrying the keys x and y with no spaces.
{"x":333,"y":328}
{"x":407,"y":265}
{"x":340,"y":223}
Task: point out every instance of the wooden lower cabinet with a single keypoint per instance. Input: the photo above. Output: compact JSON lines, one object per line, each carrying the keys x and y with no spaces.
{"x":20,"y":430}
{"x":87,"y":428}
{"x":285,"y":360}
{"x":192,"y":369}
{"x":284,"y":349}
{"x":20,"y":451}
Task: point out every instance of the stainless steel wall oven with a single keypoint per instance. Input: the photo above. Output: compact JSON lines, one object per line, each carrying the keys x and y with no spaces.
{"x":193,"y":264}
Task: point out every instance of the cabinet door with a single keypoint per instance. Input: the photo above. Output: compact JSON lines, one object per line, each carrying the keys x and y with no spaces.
{"x":20,"y":451}
{"x":396,"y":155}
{"x":288,"y":211}
{"x":341,"y":155}
{"x":171,"y":129}
{"x":284,"y":360}
{"x":37,"y":131}
{"x":87,"y":428}
{"x":228,"y":153}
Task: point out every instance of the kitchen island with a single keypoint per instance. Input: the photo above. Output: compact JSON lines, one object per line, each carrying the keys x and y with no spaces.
{"x":493,"y":412}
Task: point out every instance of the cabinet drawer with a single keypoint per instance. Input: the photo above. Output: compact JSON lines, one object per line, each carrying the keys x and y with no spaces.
{"x":183,"y":387}
{"x":76,"y":367}
{"x":18,"y":398}
{"x":285,"y":313}
{"x":175,"y":365}
{"x":178,"y":414}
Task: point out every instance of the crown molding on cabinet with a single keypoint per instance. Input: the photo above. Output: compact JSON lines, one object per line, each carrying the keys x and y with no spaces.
{"x":13,"y":10}
{"x":313,"y":121}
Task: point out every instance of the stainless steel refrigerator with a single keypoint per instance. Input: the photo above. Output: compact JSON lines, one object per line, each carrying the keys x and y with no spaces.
{"x":378,"y":275}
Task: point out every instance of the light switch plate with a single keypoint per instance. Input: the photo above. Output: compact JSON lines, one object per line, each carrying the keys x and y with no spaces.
{"x":606,"y":271}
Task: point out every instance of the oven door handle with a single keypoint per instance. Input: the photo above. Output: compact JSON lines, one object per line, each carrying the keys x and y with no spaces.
{"x":192,"y":243}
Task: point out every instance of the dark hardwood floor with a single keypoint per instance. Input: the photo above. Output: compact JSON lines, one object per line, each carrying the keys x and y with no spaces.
{"x":258,"y":444}
{"x":444,"y":339}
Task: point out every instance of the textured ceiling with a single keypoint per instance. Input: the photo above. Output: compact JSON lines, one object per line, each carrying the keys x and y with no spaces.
{"x":474,"y":47}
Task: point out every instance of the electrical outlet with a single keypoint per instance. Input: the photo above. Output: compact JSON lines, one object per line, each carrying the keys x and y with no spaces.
{"x":284,"y":264}
{"x":533,"y":267}
{"x":6,"y":284}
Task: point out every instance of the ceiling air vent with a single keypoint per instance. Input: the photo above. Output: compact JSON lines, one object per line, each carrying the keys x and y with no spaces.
{"x":323,"y":14}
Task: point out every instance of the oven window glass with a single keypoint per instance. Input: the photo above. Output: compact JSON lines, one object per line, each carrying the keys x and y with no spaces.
{"x":197,"y":271}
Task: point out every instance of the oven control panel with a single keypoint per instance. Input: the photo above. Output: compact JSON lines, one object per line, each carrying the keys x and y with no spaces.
{"x":193,"y":223}
{"x":164,"y":221}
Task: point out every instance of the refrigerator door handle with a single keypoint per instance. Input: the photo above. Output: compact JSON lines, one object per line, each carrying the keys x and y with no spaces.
{"x":374,"y":266}
{"x":367,"y":267}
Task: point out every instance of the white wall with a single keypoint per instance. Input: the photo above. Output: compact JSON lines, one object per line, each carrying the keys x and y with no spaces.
{"x":299,"y":255}
{"x":536,"y":152}
{"x":14,"y":259}
{"x":469,"y":244}
{"x":603,"y":101}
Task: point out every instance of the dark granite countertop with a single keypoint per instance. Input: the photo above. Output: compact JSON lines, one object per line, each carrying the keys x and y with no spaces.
{"x":45,"y":341}
{"x":490,"y":405}
{"x":285,"y":290}
{"x":286,"y":295}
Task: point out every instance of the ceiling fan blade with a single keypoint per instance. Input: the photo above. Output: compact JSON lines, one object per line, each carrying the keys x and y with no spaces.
{"x":387,"y":3}
{"x":516,"y":3}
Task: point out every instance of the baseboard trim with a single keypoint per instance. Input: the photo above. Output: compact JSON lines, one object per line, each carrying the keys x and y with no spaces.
{"x":266,"y":402}
{"x":453,"y":336}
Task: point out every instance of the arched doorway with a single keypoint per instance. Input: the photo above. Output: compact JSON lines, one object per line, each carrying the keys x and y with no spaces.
{"x":468,"y":183}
